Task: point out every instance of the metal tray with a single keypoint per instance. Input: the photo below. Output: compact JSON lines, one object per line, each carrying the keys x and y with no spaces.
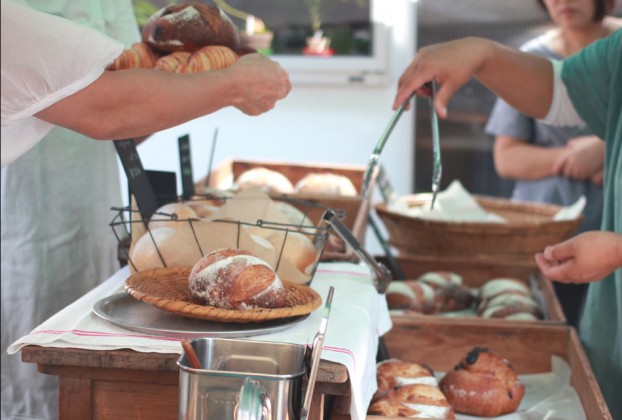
{"x":123,"y":310}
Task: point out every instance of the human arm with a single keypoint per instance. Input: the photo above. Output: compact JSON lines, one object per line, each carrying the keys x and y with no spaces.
{"x":516,"y":159}
{"x":524,"y":80}
{"x":136,"y":102}
{"x":584,"y":258}
{"x":583,"y":159}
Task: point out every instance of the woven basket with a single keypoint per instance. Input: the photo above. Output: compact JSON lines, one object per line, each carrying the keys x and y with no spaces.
{"x":530,"y":227}
{"x":167,"y":289}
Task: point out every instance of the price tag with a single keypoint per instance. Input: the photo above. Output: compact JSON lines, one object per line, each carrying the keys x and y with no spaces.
{"x":185,"y":163}
{"x":386,"y":189}
{"x":137,"y":178}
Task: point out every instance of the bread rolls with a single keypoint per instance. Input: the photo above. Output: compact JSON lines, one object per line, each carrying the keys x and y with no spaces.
{"x":272,"y":182}
{"x":212,"y":57}
{"x":172,"y":61}
{"x":326,"y":183}
{"x":411,"y":295}
{"x":235,"y":279}
{"x":188,"y":27}
{"x":483,"y":384}
{"x":140,"y":55}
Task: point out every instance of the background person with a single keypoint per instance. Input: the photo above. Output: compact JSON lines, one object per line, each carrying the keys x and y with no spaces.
{"x":550,"y":164}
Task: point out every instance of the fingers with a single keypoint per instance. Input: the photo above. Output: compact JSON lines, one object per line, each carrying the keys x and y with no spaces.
{"x":554,"y":269}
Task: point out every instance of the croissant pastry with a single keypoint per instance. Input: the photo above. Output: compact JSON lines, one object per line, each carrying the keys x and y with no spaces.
{"x":212,"y":57}
{"x":140,"y":55}
{"x":171,"y":62}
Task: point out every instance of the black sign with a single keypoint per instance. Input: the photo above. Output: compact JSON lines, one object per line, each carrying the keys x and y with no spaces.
{"x":185,"y":163}
{"x":137,"y":178}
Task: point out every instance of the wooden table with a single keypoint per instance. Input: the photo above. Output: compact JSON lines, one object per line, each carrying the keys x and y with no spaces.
{"x":125,"y":384}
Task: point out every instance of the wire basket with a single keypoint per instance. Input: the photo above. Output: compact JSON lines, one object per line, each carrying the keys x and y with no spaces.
{"x":292,"y":249}
{"x":529,"y":229}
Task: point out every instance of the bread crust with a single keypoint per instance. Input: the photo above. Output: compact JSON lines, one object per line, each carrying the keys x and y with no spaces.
{"x":188,"y":27}
{"x":483,"y":384}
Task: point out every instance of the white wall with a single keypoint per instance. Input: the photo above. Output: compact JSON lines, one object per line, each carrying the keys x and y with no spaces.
{"x":333,"y":124}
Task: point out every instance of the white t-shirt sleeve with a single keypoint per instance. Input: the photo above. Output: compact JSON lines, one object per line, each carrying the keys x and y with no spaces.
{"x":562,"y":111}
{"x":45,"y":58}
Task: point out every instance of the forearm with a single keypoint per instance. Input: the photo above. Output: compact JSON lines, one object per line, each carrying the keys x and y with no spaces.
{"x":523,"y":80}
{"x":132,"y":103}
{"x":516,"y":159}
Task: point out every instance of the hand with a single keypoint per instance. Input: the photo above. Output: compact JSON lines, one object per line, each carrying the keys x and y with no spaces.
{"x":451,"y":65}
{"x":585,"y":258}
{"x":583,"y":158}
{"x":261,"y":81}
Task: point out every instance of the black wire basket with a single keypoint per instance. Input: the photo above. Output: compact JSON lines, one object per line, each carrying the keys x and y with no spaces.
{"x":293,"y":249}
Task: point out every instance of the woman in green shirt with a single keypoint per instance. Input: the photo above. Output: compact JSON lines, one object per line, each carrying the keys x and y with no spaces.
{"x":584,"y":88}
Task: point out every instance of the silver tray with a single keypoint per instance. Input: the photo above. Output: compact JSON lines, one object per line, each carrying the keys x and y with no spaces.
{"x":123,"y":310}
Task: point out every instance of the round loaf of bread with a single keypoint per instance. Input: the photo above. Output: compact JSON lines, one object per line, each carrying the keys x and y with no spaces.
{"x":188,"y":27}
{"x":483,"y":384}
{"x":235,"y":279}
{"x":326,"y":183}
{"x":270,"y":181}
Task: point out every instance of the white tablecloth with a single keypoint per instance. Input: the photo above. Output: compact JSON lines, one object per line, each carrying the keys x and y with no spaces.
{"x":359,"y":316}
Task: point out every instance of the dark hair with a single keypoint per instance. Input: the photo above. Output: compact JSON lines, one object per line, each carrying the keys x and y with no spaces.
{"x":602,"y":8}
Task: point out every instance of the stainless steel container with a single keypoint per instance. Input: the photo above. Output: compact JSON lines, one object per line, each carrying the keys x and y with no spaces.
{"x":274,"y":373}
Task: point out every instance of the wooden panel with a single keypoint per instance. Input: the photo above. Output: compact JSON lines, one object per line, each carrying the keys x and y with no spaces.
{"x":122,"y":400}
{"x":75,"y":398}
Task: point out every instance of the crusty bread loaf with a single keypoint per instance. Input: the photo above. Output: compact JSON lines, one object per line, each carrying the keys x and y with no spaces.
{"x":483,"y":384}
{"x":270,"y":181}
{"x":235,"y":279}
{"x":212,"y":57}
{"x":326,"y":183}
{"x":188,"y":27}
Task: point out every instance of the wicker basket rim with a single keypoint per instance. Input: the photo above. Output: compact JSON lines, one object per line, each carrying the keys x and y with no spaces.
{"x":156,"y":287}
{"x":491,"y":203}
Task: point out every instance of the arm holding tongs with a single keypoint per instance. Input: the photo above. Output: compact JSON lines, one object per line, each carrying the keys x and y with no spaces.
{"x":382,"y":275}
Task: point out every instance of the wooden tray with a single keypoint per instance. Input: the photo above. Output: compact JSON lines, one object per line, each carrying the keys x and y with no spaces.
{"x":167,"y":289}
{"x":355,"y":209}
{"x":441,"y":343}
{"x":475,"y":271}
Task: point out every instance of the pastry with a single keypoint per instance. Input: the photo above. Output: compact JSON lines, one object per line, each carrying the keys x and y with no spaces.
{"x":326,"y":184}
{"x":140,"y":55}
{"x":188,"y":27}
{"x":172,"y":61}
{"x":483,"y":384}
{"x":411,"y":295}
{"x":394,"y":373}
{"x":235,"y":279}
{"x":212,"y":57}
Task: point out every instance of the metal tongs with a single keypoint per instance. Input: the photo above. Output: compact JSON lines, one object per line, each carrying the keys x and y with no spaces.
{"x":436,"y":145}
{"x":316,"y":352}
{"x":382,"y":275}
{"x":373,"y":159}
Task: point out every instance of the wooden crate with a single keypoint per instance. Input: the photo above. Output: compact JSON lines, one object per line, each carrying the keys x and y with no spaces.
{"x":475,"y":271}
{"x":441,"y":343}
{"x":354,"y":209}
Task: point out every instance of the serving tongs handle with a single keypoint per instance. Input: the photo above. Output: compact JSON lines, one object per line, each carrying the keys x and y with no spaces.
{"x":382,"y":275}
{"x":437,"y":170}
{"x":316,"y":353}
{"x":373,"y":159}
